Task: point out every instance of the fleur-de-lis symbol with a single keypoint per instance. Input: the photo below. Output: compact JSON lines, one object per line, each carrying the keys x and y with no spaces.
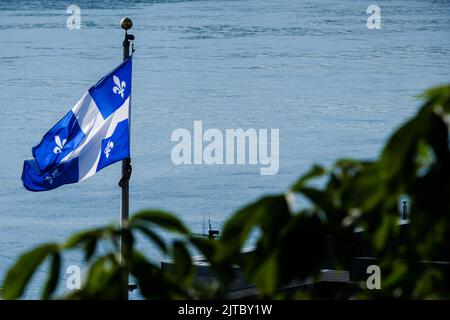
{"x":108,"y":148}
{"x":59,"y":144}
{"x":52,"y":176}
{"x":119,"y":87}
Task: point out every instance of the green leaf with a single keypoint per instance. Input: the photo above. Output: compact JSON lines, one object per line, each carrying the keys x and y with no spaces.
{"x":208,"y":248}
{"x":182,"y":261}
{"x":384,"y":232}
{"x":439,"y":94}
{"x":161,"y":219}
{"x":397,"y":161}
{"x":296,"y":252}
{"x":318,"y":197}
{"x":90,"y":247}
{"x":104,"y":281}
{"x":53,"y":276}
{"x":315,"y":172}
{"x":152,"y":236}
{"x":153,"y":281}
{"x":89,"y":237}
{"x":21,"y":272}
{"x":269,"y":213}
{"x":266,"y":275}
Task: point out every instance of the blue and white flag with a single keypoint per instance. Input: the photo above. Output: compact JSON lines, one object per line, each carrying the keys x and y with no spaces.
{"x":93,"y":135}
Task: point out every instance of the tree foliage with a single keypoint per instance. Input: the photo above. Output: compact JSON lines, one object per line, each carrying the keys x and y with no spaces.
{"x":291,"y":243}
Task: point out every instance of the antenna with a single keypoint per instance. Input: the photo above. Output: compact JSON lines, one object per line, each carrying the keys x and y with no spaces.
{"x":203,"y":225}
{"x":212,"y":234}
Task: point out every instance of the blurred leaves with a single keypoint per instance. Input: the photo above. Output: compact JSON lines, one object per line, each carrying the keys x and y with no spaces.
{"x":20,"y":274}
{"x":161,"y":219}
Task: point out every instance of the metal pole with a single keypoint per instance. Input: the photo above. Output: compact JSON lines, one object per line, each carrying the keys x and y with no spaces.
{"x":404,"y":210}
{"x":126,"y":24}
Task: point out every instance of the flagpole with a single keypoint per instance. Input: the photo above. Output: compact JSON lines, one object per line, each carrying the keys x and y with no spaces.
{"x":126,"y":24}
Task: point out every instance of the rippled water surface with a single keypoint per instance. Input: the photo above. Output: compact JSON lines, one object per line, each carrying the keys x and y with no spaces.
{"x":310,"y":68}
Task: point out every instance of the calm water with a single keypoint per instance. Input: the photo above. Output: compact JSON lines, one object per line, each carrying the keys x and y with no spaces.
{"x":310,"y":68}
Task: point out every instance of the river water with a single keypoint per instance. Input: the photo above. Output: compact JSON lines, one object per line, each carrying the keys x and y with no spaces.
{"x":311,"y":69}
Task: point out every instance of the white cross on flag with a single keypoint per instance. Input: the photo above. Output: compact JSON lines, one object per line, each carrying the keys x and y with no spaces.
{"x":91,"y":136}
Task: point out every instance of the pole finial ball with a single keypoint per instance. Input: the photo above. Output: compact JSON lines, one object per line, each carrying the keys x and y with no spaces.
{"x":126,"y":23}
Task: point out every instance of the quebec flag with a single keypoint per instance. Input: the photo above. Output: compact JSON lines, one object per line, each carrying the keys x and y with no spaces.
{"x":91,"y":136}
